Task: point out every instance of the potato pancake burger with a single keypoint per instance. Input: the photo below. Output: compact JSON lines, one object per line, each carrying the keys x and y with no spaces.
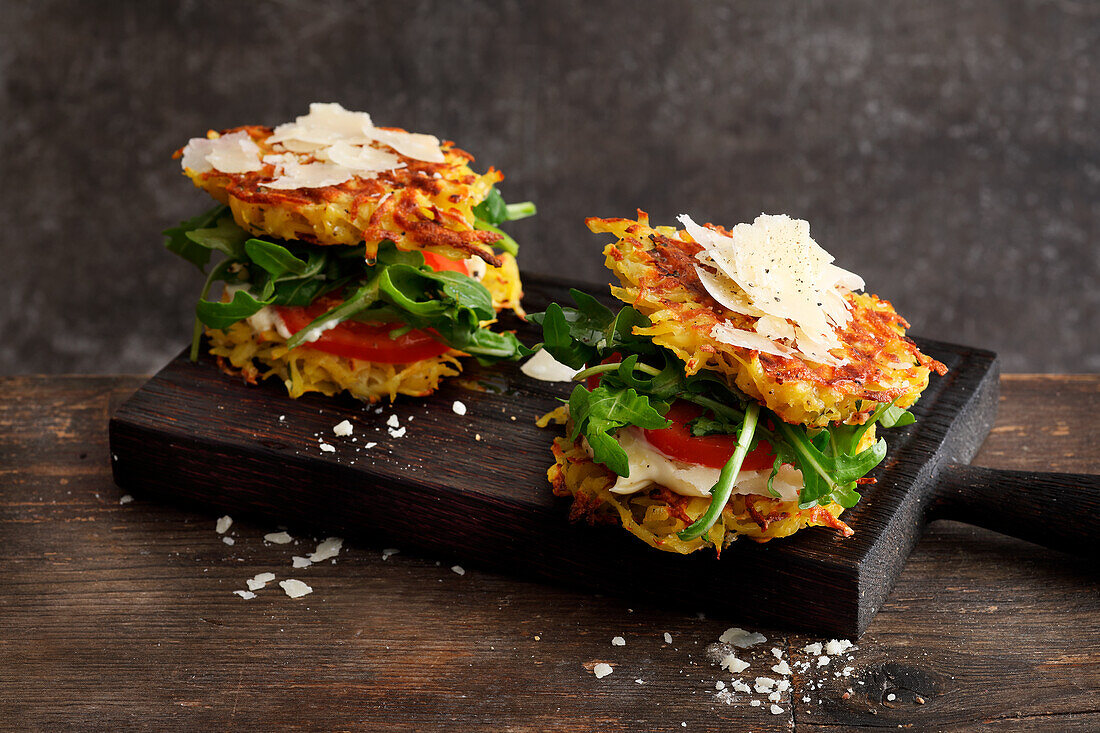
{"x":738,"y":391}
{"x":353,"y":257}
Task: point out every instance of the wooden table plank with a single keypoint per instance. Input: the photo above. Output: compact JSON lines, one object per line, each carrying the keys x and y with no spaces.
{"x":123,"y":616}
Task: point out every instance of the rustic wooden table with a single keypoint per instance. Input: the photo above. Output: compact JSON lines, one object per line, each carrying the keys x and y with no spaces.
{"x":118,"y":616}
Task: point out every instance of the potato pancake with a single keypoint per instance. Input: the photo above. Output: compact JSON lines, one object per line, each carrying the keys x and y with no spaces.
{"x":657,"y":271}
{"x":420,"y":205}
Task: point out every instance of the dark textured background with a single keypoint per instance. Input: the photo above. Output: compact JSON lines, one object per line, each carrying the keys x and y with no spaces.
{"x":947,"y":151}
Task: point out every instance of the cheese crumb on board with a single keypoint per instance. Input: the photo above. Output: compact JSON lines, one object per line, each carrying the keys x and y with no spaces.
{"x":458,"y":570}
{"x":837,"y":646}
{"x":602,"y":669}
{"x":277,"y":538}
{"x":458,"y":408}
{"x":300,"y":562}
{"x":398,"y":433}
{"x":389,"y":552}
{"x":741,"y":638}
{"x":776,"y":710}
{"x":245,"y":594}
{"x":125,"y":499}
{"x":330,"y":547}
{"x":394,"y":421}
{"x":223,"y":524}
{"x":260,"y":581}
{"x":326,"y":448}
{"x":295,"y":588}
{"x":814,"y":648}
{"x":228,"y":540}
{"x":764,"y":684}
{"x":782,"y":668}
{"x":343,"y":428}
{"x":733,"y":664}
{"x":668,"y":638}
{"x":618,"y":641}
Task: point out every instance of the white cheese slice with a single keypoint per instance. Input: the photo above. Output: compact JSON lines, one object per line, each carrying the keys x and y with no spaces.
{"x":410,"y":144}
{"x":232,"y":153}
{"x":362,"y":160}
{"x":649,"y":466}
{"x":309,"y":175}
{"x":776,"y":267}
{"x":325,"y":124}
{"x":546,"y":368}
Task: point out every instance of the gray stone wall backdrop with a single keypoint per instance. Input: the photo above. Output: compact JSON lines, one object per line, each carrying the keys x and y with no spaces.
{"x":948,"y":151}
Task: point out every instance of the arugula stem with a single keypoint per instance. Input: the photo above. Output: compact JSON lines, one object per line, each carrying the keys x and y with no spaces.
{"x":601,"y":368}
{"x":196,"y":332}
{"x":507,"y":244}
{"x":514,"y":212}
{"x":788,"y":434}
{"x":720,"y":492}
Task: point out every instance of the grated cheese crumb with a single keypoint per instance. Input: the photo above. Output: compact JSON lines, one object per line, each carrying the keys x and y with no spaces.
{"x":260,"y":581}
{"x":398,"y":433}
{"x":776,"y":710}
{"x":228,"y":540}
{"x":389,"y":552}
{"x":668,"y":638}
{"x":458,"y":408}
{"x":719,"y":685}
{"x":602,"y":669}
{"x":300,"y":562}
{"x":458,"y":570}
{"x":740,"y":686}
{"x":125,"y":499}
{"x":741,"y":638}
{"x":326,"y":448}
{"x":782,"y":668}
{"x":343,"y":428}
{"x":295,"y":588}
{"x":618,"y":641}
{"x":891,"y":697}
{"x":278,"y":538}
{"x":777,"y":652}
{"x":245,"y":594}
{"x":814,"y":648}
{"x":837,"y":646}
{"x":394,"y":422}
{"x":764,"y":684}
{"x":640,"y":681}
{"x":822,"y":661}
{"x":733,"y":664}
{"x":329,"y":548}
{"x":223,"y":525}
{"x":754,"y":703}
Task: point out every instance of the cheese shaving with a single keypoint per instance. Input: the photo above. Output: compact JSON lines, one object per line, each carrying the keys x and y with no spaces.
{"x":326,"y":147}
{"x":773,"y":270}
{"x":232,"y":153}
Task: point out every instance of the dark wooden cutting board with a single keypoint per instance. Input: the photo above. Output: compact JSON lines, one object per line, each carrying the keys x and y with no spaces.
{"x":473,"y":487}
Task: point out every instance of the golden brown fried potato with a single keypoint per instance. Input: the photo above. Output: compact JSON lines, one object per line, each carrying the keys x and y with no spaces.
{"x":656,"y":267}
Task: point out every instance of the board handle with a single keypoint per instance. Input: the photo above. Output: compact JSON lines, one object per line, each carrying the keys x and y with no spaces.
{"x":1056,"y":510}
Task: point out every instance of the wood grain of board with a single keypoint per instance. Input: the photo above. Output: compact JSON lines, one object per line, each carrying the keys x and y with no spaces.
{"x":118,"y":617}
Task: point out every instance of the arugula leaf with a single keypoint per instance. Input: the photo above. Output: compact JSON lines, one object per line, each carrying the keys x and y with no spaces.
{"x":177,"y":242}
{"x":397,"y":287}
{"x":224,"y":315}
{"x":492,"y":210}
{"x":896,"y":417}
{"x":598,"y":413}
{"x":276,"y":259}
{"x":225,"y":237}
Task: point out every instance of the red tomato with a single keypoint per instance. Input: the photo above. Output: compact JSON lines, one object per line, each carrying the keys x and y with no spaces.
{"x":371,"y":341}
{"x":367,"y":341}
{"x":440,"y":263}
{"x":712,"y":451}
{"x":593,"y":381}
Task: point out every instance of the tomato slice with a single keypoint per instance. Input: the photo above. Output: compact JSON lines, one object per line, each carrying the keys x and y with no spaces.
{"x":440,"y":263}
{"x":371,"y":341}
{"x":712,"y":451}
